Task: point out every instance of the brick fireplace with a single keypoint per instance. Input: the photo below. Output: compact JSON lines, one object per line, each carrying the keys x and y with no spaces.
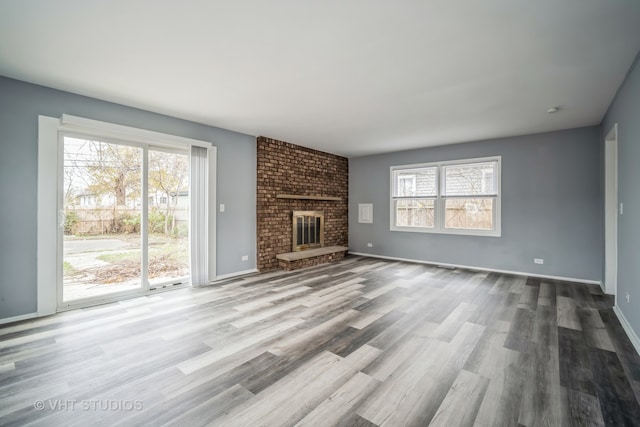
{"x":293,"y":178}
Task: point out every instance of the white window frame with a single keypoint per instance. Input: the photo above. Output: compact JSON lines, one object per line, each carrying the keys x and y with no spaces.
{"x":440,"y":199}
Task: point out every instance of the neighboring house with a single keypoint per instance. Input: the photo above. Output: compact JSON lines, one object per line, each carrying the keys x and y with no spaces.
{"x":178,"y":203}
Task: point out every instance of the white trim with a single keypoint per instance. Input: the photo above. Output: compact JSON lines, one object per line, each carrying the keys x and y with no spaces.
{"x":212,"y":213}
{"x":18,"y":318}
{"x":116,"y":297}
{"x":236,"y":274}
{"x":633,"y":337}
{"x":61,"y":217}
{"x":127,"y":133}
{"x":47,"y":225}
{"x":611,"y":211}
{"x":102,"y":299}
{"x":449,"y":162}
{"x":472,"y":267}
{"x":144,"y":220}
{"x":440,"y":199}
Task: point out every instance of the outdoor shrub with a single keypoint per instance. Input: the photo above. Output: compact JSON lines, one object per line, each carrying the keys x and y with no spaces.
{"x":180,"y":230}
{"x":70,"y":222}
{"x":127,"y":223}
{"x":156,"y":221}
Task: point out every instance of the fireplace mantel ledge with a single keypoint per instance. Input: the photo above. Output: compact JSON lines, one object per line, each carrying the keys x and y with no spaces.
{"x":303,"y":197}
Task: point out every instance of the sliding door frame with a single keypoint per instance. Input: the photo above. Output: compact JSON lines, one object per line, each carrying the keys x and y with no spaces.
{"x":143,"y":286}
{"x":51,"y":133}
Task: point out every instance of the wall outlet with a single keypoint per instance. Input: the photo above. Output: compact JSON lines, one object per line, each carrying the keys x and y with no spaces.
{"x":538,"y":261}
{"x":628,"y":297}
{"x":245,"y":257}
{"x":221,"y":207}
{"x":369,"y":245}
{"x":621,"y":208}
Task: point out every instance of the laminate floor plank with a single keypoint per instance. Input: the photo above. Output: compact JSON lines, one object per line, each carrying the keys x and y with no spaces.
{"x":502,"y":366}
{"x":451,"y":325}
{"x":584,"y":410}
{"x":421,"y":386}
{"x":392,"y":359}
{"x":521,"y":331}
{"x":544,"y":401}
{"x":576,"y":373}
{"x":593,"y":329}
{"x":617,"y":403}
{"x":547,"y":294}
{"x":568,"y":313}
{"x":461,"y":404}
{"x":220,"y":352}
{"x":385,"y":403}
{"x":529,"y":295}
{"x":292,"y":398}
{"x":624,"y":348}
{"x":206,"y":412}
{"x":341,"y":403}
{"x":358,"y":342}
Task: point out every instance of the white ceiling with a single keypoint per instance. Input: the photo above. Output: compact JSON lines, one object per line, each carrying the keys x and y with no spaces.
{"x":351,"y":77}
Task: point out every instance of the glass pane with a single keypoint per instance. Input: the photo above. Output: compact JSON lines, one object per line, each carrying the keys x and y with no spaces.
{"x":102,"y":204}
{"x":312,"y":230}
{"x":415,"y":213}
{"x":306,"y":229}
{"x":318,"y":230}
{"x":469,"y":214}
{"x":168,"y":220}
{"x":419,"y":182}
{"x":299,"y":221}
{"x":470,"y":180}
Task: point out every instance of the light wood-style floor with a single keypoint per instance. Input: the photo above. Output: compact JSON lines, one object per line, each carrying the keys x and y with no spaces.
{"x":362,"y":342}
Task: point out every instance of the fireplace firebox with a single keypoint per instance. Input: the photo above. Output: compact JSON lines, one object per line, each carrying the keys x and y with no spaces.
{"x":308,"y":230}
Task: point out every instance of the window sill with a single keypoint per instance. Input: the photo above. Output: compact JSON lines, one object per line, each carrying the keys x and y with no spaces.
{"x":452,"y":231}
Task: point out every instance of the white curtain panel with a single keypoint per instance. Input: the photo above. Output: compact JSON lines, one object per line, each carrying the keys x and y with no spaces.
{"x":199,"y":231}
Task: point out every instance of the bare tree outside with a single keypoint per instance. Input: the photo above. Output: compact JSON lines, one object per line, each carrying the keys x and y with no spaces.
{"x":169,"y":176}
{"x":103,"y":208}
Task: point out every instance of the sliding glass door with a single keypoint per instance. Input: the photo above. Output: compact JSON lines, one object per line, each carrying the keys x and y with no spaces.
{"x":123,"y":218}
{"x":168,"y":219}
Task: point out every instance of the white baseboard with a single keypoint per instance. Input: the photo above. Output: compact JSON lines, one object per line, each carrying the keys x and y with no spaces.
{"x":18,"y":318}
{"x":493,"y":270}
{"x":238,"y":273}
{"x":633,"y":337}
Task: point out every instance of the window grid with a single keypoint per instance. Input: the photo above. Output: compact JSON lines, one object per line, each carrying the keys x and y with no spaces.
{"x":465,"y":197}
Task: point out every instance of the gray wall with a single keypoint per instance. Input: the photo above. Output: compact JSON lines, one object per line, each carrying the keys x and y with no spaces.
{"x":625,"y":110}
{"x":20,"y":105}
{"x":551,"y":206}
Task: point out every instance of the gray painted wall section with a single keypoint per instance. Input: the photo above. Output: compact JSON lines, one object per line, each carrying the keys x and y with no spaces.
{"x":625,"y":110}
{"x":551,"y":206}
{"x":20,"y":105}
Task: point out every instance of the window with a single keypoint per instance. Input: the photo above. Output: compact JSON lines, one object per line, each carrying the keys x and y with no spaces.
{"x":454,"y":197}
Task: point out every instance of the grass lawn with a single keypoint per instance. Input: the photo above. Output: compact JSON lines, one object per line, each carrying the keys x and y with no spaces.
{"x":68,"y":269}
{"x":168,"y":257}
